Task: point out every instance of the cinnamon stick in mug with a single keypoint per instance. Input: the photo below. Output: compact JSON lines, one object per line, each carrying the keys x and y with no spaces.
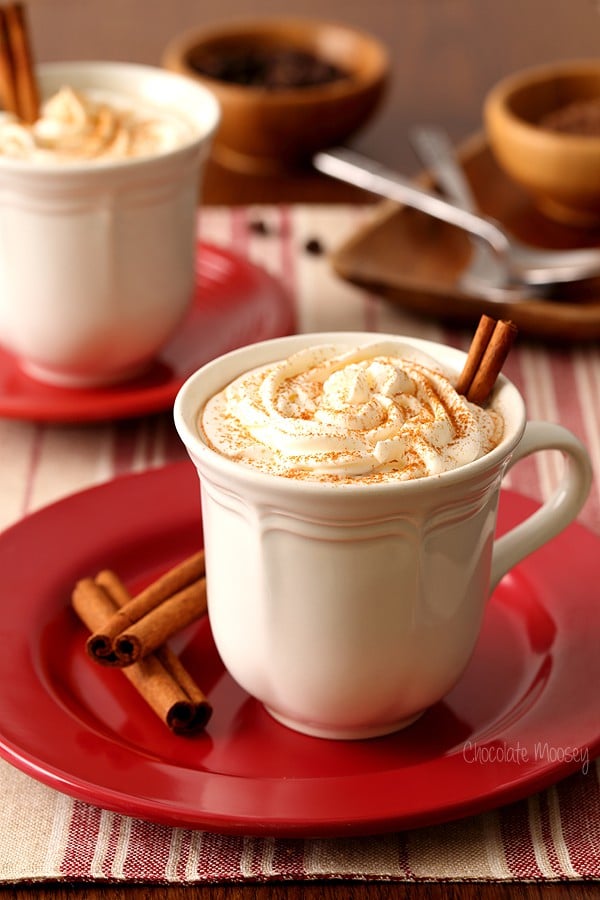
{"x":8,"y":87}
{"x":487,"y":354}
{"x":477,"y":348}
{"x":491,"y":364}
{"x":25,"y":81}
{"x":160,"y":678}
{"x":101,"y":644}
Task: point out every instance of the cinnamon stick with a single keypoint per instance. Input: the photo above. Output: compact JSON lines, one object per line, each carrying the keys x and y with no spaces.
{"x":491,"y":364}
{"x":8,"y":86}
{"x":157,"y":626}
{"x":481,"y":339}
{"x":26,"y":88}
{"x":101,"y":644}
{"x":487,"y":354}
{"x":160,"y":678}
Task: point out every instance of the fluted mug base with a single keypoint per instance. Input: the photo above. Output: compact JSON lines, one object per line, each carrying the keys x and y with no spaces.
{"x":344,"y":734}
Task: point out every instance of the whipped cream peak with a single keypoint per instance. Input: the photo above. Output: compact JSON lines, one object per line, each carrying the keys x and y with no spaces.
{"x":66,"y":109}
{"x":78,"y":126}
{"x":381,"y":411}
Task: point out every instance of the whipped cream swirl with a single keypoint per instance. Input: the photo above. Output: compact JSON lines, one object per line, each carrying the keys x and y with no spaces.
{"x":75,"y":126}
{"x":379,"y":412}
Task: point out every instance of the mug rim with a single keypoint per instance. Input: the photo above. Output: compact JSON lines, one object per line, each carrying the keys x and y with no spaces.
{"x":186,"y":407}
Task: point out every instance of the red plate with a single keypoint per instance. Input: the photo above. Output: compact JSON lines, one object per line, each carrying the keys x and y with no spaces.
{"x":236,"y":303}
{"x":524,"y":714}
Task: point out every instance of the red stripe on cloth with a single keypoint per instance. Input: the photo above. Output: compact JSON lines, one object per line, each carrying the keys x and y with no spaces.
{"x":125,"y":446}
{"x":524,"y":476}
{"x":565,"y":389}
{"x":288,"y":858}
{"x":173,"y":448}
{"x":287,"y":254}
{"x":149,"y":442}
{"x":34,"y":462}
{"x":149,"y":851}
{"x":587,"y":373}
{"x":512,"y":369}
{"x":579,"y":801}
{"x":219,"y":857}
{"x":573,"y":415}
{"x":239,"y":231}
{"x":517,"y":841}
{"x":541,"y":396}
{"x":80,"y":847}
{"x":403,"y":857}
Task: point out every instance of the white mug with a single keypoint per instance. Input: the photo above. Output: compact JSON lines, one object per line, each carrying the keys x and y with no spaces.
{"x":349,"y":609}
{"x":97,"y":258}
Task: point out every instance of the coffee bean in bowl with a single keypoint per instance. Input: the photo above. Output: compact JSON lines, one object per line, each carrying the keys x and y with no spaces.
{"x":279,"y":68}
{"x":287,"y":87}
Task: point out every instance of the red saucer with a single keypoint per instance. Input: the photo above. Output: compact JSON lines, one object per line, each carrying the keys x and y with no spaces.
{"x":236,"y":303}
{"x":524,"y":715}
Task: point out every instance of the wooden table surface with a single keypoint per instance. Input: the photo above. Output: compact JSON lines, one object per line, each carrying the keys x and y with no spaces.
{"x":315,"y":890}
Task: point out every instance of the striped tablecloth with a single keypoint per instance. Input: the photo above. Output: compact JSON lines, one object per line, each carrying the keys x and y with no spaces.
{"x":46,"y":835}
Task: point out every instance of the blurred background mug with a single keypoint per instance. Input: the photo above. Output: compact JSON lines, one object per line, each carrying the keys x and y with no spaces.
{"x":98,"y":256}
{"x":350,"y":608}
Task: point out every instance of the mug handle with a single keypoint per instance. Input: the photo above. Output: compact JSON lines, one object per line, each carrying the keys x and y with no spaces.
{"x":561,"y":507}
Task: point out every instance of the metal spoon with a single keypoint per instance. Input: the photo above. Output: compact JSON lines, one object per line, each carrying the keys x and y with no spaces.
{"x":485,"y":270}
{"x":523,"y":265}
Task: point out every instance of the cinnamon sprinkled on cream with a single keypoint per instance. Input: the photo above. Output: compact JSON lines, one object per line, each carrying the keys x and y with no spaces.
{"x":379,"y":412}
{"x":76,"y":126}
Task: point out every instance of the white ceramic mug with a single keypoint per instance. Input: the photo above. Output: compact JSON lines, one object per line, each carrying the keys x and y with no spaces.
{"x":97,"y":258}
{"x":348,"y":609}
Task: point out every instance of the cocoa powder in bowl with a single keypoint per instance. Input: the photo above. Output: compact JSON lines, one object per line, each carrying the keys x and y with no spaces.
{"x":581,"y":117}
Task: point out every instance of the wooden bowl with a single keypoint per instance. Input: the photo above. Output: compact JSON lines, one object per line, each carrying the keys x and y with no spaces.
{"x":266,"y":130}
{"x":560,"y":169}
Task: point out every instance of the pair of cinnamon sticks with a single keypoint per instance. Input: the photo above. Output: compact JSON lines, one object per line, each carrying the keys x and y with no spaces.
{"x":487,"y":354}
{"x":130,"y":633}
{"x":18,"y":83}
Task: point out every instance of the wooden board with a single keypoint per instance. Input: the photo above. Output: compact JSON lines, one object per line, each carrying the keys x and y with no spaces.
{"x":417,"y":261}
